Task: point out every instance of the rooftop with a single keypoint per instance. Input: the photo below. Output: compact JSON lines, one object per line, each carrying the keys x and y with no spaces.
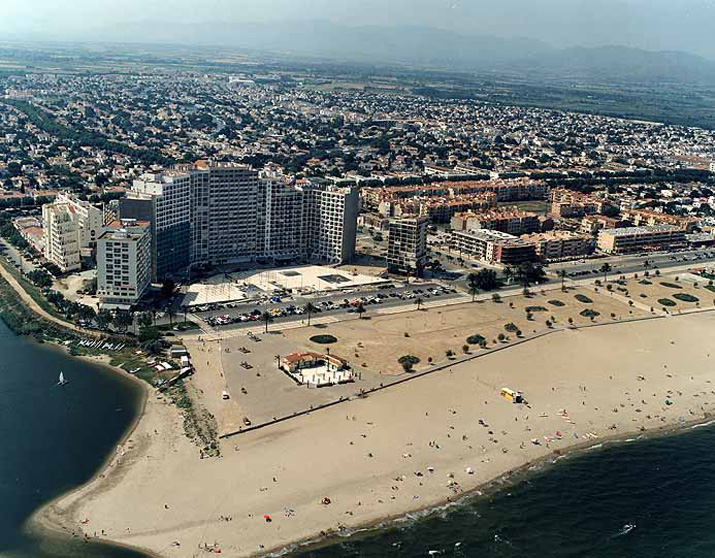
{"x":626,"y":231}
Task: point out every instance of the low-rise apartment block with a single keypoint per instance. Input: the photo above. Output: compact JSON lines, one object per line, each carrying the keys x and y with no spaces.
{"x":559,"y":245}
{"x":567,"y":203}
{"x":509,"y":221}
{"x":493,"y":246}
{"x":640,"y":239}
{"x":645,"y":218}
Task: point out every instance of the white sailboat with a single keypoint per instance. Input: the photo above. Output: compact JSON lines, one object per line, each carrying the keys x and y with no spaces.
{"x":62,"y":381}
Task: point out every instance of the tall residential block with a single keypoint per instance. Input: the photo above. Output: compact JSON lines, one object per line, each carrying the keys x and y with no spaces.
{"x":164,"y":199}
{"x":217,"y":214}
{"x":407,"y":246}
{"x":124,"y":268}
{"x":61,"y":236}
{"x":70,"y":230}
{"x":329,"y":221}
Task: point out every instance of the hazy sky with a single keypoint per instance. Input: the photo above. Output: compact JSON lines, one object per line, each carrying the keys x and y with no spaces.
{"x":654,"y":24}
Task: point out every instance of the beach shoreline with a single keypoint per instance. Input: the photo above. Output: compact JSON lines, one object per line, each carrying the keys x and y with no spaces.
{"x":489,"y":487}
{"x":320,"y":532}
{"x":47,"y":522}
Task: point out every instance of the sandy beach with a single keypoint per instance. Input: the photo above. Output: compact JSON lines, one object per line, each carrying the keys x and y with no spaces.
{"x":406,"y":448}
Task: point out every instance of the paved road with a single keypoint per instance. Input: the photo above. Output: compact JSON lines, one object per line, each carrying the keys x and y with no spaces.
{"x":15,"y":257}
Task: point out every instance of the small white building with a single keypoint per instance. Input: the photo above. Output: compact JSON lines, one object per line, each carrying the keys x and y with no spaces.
{"x":315,"y":369}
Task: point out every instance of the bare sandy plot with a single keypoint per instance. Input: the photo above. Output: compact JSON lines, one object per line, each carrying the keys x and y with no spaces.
{"x":375,"y":344}
{"x":679,"y":289}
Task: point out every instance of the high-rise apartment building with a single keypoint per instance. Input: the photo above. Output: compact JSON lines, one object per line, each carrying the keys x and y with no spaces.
{"x":329,"y":221}
{"x":281,"y":224}
{"x":89,"y":217}
{"x":124,"y":262}
{"x":70,"y":230}
{"x":217,"y":214}
{"x":164,"y":200}
{"x":407,"y":246}
{"x":62,"y":237}
{"x":225,"y":204}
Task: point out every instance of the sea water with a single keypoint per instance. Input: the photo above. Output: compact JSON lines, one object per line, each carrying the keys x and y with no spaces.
{"x":649,"y":498}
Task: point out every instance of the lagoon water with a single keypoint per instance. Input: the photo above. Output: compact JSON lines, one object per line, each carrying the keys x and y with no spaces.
{"x":54,"y":438}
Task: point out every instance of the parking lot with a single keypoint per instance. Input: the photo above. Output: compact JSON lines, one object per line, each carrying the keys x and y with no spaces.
{"x":288,"y":307}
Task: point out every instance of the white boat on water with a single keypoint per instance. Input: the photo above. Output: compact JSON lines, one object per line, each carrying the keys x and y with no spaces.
{"x":62,"y":381}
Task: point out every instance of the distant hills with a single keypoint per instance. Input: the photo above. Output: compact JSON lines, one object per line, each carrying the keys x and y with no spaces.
{"x":425,"y":48}
{"x":622,"y":64}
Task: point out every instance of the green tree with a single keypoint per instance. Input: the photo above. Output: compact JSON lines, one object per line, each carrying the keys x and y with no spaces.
{"x":408,"y":362}
{"x":122,"y":319}
{"x":145,"y":320}
{"x":104,"y":319}
{"x":418,"y":301}
{"x":360,"y":310}
{"x":484,"y":279}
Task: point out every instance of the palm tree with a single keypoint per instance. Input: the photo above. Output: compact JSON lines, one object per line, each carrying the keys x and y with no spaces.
{"x":360,"y":310}
{"x":170,"y":312}
{"x":266,"y":318}
{"x":605,"y":269}
{"x":309,"y":309}
{"x":473,"y":290}
{"x":563,"y":274}
{"x":418,"y":302}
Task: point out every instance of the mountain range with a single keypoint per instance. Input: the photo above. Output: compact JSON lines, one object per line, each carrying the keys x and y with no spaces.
{"x":424,"y":47}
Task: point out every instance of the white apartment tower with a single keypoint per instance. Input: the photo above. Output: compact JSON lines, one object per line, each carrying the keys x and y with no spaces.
{"x":224,"y":213}
{"x":70,"y":230}
{"x":124,"y":256}
{"x":164,"y":200}
{"x":281,"y":224}
{"x":329,"y":221}
{"x":89,"y":218}
{"x":225,"y":206}
{"x":62,"y":236}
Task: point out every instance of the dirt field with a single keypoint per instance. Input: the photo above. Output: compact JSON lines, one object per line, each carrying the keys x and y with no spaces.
{"x":651,"y":290}
{"x":378,"y":342}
